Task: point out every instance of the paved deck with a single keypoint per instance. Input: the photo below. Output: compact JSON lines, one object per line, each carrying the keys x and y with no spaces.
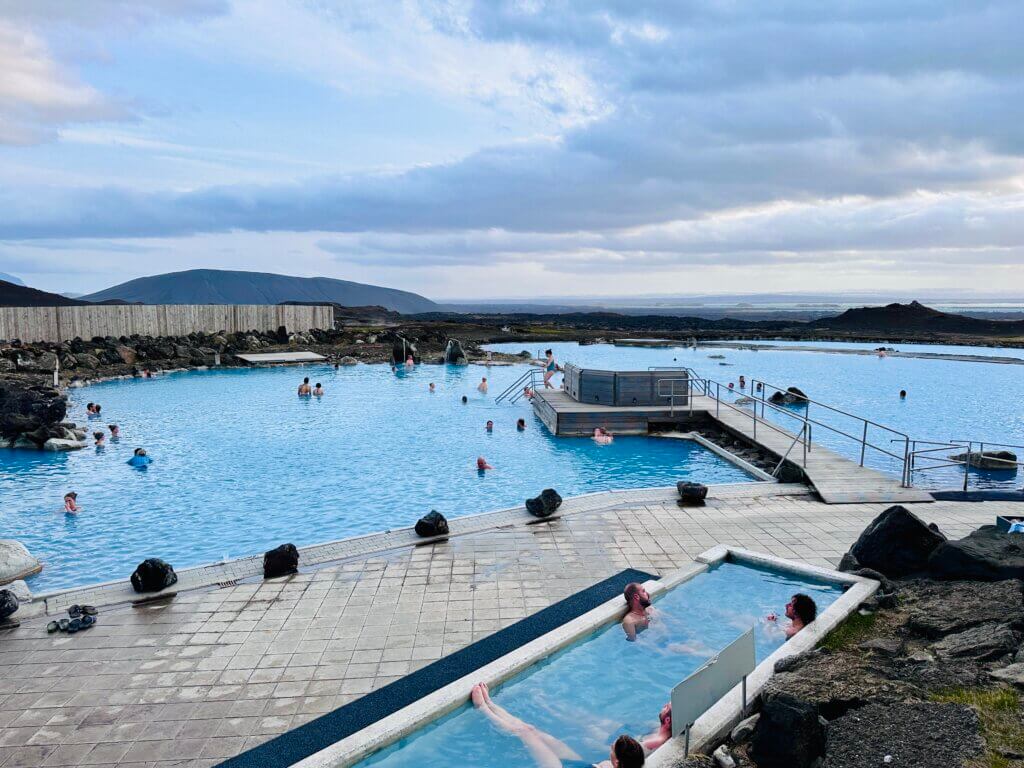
{"x":220,"y":669}
{"x":836,"y":478}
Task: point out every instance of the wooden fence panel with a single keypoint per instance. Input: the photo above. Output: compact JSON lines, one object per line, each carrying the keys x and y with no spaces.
{"x":33,"y":324}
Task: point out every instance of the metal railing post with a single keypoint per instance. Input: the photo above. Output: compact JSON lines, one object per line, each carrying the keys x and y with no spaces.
{"x":907,"y":463}
{"x":863,"y":443}
{"x":718,"y":398}
{"x":967,"y":463}
{"x":805,"y":445}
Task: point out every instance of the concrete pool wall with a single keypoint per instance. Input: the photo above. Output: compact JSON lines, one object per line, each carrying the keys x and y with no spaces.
{"x":709,"y":727}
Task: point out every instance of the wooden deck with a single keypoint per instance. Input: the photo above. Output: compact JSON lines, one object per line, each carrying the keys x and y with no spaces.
{"x":837,"y":479}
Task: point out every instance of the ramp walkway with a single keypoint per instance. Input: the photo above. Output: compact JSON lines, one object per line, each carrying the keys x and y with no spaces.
{"x":682,"y":396}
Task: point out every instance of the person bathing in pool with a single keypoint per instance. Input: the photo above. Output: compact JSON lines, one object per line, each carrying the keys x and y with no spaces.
{"x":304,"y":390}
{"x":545,"y":749}
{"x":801,"y":610}
{"x":638,"y":618}
{"x":654,"y":740}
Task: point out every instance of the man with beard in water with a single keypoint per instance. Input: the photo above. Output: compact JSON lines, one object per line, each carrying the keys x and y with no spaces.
{"x":639,"y":617}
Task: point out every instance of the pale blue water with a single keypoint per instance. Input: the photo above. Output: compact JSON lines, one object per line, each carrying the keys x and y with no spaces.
{"x":945,"y":399}
{"x":602,"y":687}
{"x":241,"y":464}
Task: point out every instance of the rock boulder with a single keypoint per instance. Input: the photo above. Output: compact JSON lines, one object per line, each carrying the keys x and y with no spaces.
{"x":1004,"y":460}
{"x":788,"y":734}
{"x":897,"y":543}
{"x":984,"y":555}
{"x":16,"y":562}
{"x":983,"y":642}
{"x":25,"y":407}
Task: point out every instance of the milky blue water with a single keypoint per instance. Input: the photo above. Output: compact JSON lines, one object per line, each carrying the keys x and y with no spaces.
{"x":602,"y":687}
{"x":241,"y":464}
{"x":945,"y":399}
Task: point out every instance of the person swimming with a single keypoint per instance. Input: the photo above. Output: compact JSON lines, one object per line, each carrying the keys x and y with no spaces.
{"x":71,"y":503}
{"x":139,"y":458}
{"x":115,"y":433}
{"x":482,"y":465}
{"x":465,"y":399}
{"x":431,"y":388}
{"x":489,"y":426}
{"x":304,"y":390}
{"x":318,"y":390}
{"x":602,"y":436}
{"x":801,"y":610}
{"x":99,"y":437}
{"x":903,"y":394}
{"x":664,"y":732}
{"x":482,"y":386}
{"x":545,"y":749}
{"x":521,"y":425}
{"x":638,"y":618}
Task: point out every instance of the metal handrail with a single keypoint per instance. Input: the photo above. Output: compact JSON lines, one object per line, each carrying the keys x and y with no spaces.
{"x":967,"y":447}
{"x":510,"y":391}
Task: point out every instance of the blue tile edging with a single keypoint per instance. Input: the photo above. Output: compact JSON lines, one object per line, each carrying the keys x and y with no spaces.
{"x":318,"y":734}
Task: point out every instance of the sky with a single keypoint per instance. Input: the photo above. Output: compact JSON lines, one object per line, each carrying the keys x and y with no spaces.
{"x":468,"y":150}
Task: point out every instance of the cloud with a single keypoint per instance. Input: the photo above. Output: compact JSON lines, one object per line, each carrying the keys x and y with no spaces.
{"x":37,"y":95}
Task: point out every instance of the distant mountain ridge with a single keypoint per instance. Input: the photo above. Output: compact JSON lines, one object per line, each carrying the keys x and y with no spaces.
{"x":916,"y":317}
{"x":221,"y":286}
{"x":13,"y":295}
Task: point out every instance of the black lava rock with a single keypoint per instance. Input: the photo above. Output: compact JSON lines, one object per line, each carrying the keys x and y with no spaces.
{"x":8,"y":603}
{"x":545,"y":504}
{"x":280,"y":561}
{"x":27,"y":407}
{"x":896,"y":543}
{"x":788,"y":735}
{"x":152,"y":575}
{"x":983,"y":555}
{"x":432,"y":524}
{"x":691,"y":494}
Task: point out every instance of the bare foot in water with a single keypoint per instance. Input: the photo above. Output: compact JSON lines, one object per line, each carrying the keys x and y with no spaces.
{"x":479,"y":695}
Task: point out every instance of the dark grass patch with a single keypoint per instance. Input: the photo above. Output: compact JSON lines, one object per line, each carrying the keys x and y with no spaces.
{"x":297,"y":744}
{"x":855,"y":629}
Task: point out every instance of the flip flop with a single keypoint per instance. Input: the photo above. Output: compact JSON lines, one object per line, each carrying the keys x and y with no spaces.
{"x":89,"y":610}
{"x":87,"y":621}
{"x":75,"y":611}
{"x":74,"y":625}
{"x":52,"y":627}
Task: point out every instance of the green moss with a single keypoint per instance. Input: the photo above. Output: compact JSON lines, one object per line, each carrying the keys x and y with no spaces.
{"x":998,"y":710}
{"x":856,"y":628}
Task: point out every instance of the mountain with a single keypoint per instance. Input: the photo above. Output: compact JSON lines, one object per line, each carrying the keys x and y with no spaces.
{"x":220,"y":286}
{"x":13,"y":295}
{"x":11,"y":279}
{"x":916,"y":317}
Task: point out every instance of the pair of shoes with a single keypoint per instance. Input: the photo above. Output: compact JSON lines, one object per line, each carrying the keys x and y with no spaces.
{"x":71,"y":625}
{"x":77,"y":611}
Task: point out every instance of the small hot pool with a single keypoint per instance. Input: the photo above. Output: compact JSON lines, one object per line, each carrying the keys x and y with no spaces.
{"x":603,"y":686}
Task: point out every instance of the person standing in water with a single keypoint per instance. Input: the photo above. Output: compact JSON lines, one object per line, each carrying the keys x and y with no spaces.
{"x":482,"y":386}
{"x":139,"y":458}
{"x":801,"y":610}
{"x":318,"y":390}
{"x":638,"y":618}
{"x":71,"y":503}
{"x":489,"y":426}
{"x":521,"y":425}
{"x":431,"y":388}
{"x":115,"y":433}
{"x":304,"y":390}
{"x":99,"y":437}
{"x":482,"y":465}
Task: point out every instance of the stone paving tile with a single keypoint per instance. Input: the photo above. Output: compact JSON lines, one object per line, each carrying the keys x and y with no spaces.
{"x":215,"y":672}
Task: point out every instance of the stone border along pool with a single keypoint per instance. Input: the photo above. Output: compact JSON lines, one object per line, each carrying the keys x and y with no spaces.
{"x":710,"y":727}
{"x":314,"y":556}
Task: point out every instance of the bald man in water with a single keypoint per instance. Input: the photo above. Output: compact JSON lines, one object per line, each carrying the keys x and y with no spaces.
{"x":638,"y":618}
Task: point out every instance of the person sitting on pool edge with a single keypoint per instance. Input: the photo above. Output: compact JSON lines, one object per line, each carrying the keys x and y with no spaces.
{"x":638,"y":618}
{"x":801,"y":610}
{"x":304,"y":390}
{"x":545,"y":749}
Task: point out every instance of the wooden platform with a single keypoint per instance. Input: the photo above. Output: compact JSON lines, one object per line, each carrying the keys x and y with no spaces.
{"x":837,"y":479}
{"x":282,"y":357}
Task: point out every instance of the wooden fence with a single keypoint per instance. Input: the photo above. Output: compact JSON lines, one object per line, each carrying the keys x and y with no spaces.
{"x":32,"y":324}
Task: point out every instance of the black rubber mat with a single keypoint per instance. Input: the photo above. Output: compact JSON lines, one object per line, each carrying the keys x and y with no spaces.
{"x":992,"y":495}
{"x":327,"y":729}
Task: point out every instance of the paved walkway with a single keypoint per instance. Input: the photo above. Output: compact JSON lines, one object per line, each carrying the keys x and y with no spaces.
{"x":218,"y":670}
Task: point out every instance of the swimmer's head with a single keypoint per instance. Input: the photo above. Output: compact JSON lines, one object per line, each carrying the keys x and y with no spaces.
{"x":114,"y":429}
{"x":70,"y":495}
{"x":318,"y":385}
{"x":140,"y":451}
{"x":465,"y":399}
{"x":802,"y":607}
{"x":97,"y":435}
{"x":306,"y":380}
{"x":481,"y":462}
{"x":490,"y":425}
{"x":626,"y":753}
{"x":636,"y":595}
{"x":665,"y":716}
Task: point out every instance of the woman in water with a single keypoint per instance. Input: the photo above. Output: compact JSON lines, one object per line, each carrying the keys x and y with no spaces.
{"x":545,"y":749}
{"x":99,"y":437}
{"x":602,"y":436}
{"x":71,"y":503}
{"x":115,"y":432}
